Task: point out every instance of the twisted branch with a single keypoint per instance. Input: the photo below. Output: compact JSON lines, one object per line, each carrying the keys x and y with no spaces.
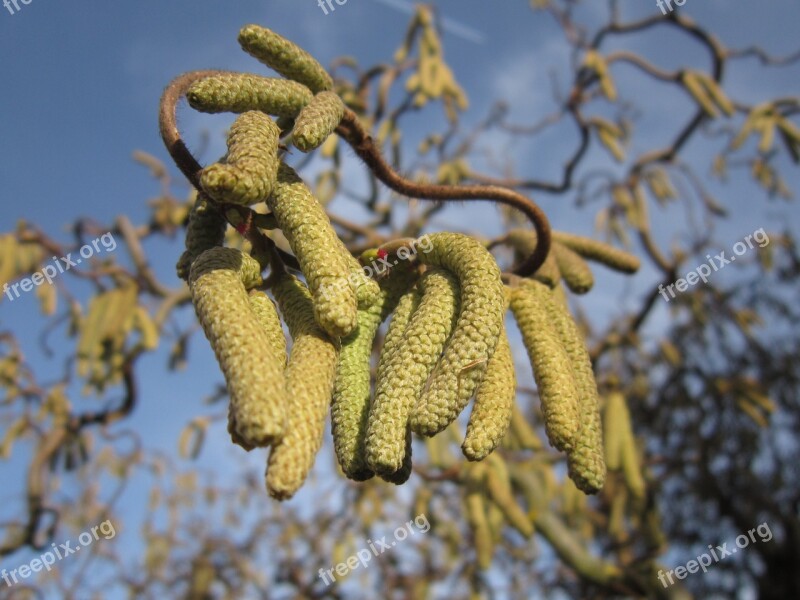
{"x":364,"y":146}
{"x":362,"y":143}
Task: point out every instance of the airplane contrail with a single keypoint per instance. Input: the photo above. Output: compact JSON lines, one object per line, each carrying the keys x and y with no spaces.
{"x":451,"y":26}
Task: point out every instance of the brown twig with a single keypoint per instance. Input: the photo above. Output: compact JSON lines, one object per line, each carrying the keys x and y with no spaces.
{"x":364,"y":146}
{"x":168,"y":124}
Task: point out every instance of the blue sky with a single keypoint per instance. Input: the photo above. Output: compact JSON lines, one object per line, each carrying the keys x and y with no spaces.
{"x":81,"y":82}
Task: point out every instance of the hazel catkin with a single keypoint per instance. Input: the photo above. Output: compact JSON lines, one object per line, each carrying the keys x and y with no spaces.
{"x":480,"y":320}
{"x":498,"y":483}
{"x":586,"y":463}
{"x":590,"y":249}
{"x":351,"y":398}
{"x":309,"y":380}
{"x":267,"y":317}
{"x":475,"y":509}
{"x":253,"y":371}
{"x":574,"y":270}
{"x":242,"y":92}
{"x":251,"y":166}
{"x":523,"y":241}
{"x":322,"y":257}
{"x":552,"y":367}
{"x":405,"y":366}
{"x":494,"y":403}
{"x":205,"y":230}
{"x":284,"y":57}
{"x":318,"y":120}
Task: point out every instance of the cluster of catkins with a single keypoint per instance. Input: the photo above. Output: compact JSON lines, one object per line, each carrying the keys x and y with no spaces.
{"x":446,"y":340}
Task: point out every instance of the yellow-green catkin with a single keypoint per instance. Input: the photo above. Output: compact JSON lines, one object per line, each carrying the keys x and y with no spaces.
{"x":498,"y":482}
{"x":284,"y":57}
{"x":323,"y":259}
{"x":475,"y":509}
{"x":253,"y":371}
{"x":351,"y":398}
{"x":620,"y":443}
{"x":615,"y":421}
{"x":494,"y":403}
{"x":242,"y":92}
{"x":251,"y":165}
{"x":599,"y":252}
{"x":522,"y":431}
{"x":585,"y":461}
{"x":205,"y":230}
{"x":318,"y":120}
{"x":475,"y":337}
{"x":406,"y":306}
{"x":267,"y":315}
{"x":404,"y":369}
{"x":367,"y":289}
{"x":309,"y":380}
{"x":552,"y":367}
{"x":574,"y":270}
{"x":401,"y":475}
{"x":523,"y":241}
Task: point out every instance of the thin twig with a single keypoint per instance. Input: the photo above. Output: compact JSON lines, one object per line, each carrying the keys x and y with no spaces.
{"x":364,"y":146}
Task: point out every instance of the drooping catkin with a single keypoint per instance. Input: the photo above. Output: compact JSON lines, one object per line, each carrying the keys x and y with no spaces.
{"x":522,"y":431}
{"x":475,"y":336}
{"x":631,"y":468}
{"x":267,"y":315}
{"x":318,"y":120}
{"x":309,"y":380}
{"x":598,"y":251}
{"x":585,"y":461}
{"x":574,"y":270}
{"x":242,"y":92}
{"x":401,"y":475}
{"x":498,"y":482}
{"x":253,"y":371}
{"x":284,"y":57}
{"x":351,"y":398}
{"x":322,"y":257}
{"x":475,"y":505}
{"x":620,"y":443}
{"x":251,"y":165}
{"x":205,"y":230}
{"x":494,"y":403}
{"x":614,"y":423}
{"x":367,"y":289}
{"x":403,"y":370}
{"x":406,"y":305}
{"x":552,"y":367}
{"x":523,"y":241}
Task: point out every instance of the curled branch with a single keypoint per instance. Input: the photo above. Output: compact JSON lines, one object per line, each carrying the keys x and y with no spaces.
{"x":364,"y":146}
{"x":168,"y":124}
